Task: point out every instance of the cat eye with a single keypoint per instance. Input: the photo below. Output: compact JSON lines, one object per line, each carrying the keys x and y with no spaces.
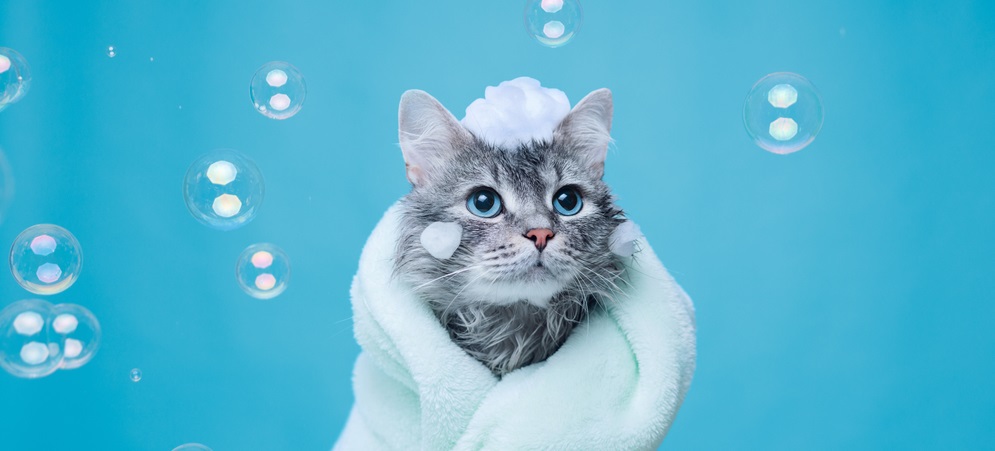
{"x":567,"y":201}
{"x":484,"y":202}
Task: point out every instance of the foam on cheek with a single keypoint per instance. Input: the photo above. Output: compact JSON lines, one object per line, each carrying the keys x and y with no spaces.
{"x":622,"y":241}
{"x":441,"y":239}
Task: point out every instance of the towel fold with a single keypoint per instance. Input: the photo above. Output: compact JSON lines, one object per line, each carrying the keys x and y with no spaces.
{"x":616,"y":383}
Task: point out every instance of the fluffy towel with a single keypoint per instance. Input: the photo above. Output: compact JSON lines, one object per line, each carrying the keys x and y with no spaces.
{"x":616,"y":383}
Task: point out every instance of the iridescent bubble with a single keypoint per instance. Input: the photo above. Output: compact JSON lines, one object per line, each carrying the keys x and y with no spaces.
{"x":263,"y":271}
{"x":45,"y":259}
{"x":783,"y":113}
{"x":15,"y":77}
{"x":80,"y":334}
{"x":223,"y":189}
{"x":553,"y":22}
{"x":135,"y":374}
{"x":29,"y":345}
{"x":277,"y":90}
{"x":192,"y":447}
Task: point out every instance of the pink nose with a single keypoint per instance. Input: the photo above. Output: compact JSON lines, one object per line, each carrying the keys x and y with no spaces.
{"x":540,"y":236}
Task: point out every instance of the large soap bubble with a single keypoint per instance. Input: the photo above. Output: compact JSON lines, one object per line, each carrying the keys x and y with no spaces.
{"x":29,"y":346}
{"x":79,"y":333}
{"x":783,"y":113}
{"x":223,"y":189}
{"x":45,"y":259}
{"x":553,"y":22}
{"x":263,"y":271}
{"x":277,"y":90}
{"x":15,"y":77}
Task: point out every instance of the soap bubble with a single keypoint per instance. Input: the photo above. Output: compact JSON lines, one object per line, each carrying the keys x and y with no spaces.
{"x":135,"y":375}
{"x":277,"y":90}
{"x":192,"y":447}
{"x":29,"y":347}
{"x":80,"y":334}
{"x":45,"y":259}
{"x":223,"y":189}
{"x":110,"y":52}
{"x":15,"y":78}
{"x":553,"y":22}
{"x":263,"y":271}
{"x":783,"y":113}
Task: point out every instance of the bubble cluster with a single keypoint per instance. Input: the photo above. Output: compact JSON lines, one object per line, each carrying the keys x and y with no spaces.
{"x":277,"y":90}
{"x":263,"y":271}
{"x":15,"y":77}
{"x":553,"y":22}
{"x":223,"y":189}
{"x":37,"y":338}
{"x":111,"y":53}
{"x":783,"y":113}
{"x":45,"y":259}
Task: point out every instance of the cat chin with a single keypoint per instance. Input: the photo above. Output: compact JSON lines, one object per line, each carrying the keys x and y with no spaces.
{"x":538,"y":292}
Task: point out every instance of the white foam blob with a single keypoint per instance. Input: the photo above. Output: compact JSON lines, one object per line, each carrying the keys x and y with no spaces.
{"x":515,"y":112}
{"x":441,"y":239}
{"x":622,"y":241}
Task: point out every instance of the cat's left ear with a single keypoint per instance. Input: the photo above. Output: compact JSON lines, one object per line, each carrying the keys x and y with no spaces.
{"x":587,"y":129}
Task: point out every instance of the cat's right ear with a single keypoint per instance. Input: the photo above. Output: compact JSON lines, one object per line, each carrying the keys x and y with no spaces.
{"x":428,"y":134}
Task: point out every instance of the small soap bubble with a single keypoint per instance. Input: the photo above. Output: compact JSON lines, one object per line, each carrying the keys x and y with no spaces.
{"x":223,"y":189}
{"x":111,"y":52}
{"x":45,"y":259}
{"x":263,"y":271}
{"x":80,"y":334}
{"x":29,"y":346}
{"x":783,"y":113}
{"x":192,"y":447}
{"x":553,"y":22}
{"x":15,"y":77}
{"x":277,"y":90}
{"x":135,"y":374}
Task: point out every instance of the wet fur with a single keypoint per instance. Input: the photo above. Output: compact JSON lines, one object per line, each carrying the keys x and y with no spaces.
{"x":507,"y":335}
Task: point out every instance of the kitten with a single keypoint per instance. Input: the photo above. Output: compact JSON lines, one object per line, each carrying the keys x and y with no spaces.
{"x":536,"y":219}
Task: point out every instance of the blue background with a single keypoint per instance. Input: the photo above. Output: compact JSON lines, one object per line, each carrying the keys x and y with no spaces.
{"x":843,"y":293}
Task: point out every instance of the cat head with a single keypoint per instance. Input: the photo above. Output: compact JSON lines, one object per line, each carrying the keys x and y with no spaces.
{"x":535,"y":218}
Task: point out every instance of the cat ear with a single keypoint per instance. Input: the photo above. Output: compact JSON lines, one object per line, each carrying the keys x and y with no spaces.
{"x":428,"y":134}
{"x":587,"y":129}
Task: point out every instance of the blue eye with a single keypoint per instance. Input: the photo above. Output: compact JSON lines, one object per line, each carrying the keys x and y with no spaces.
{"x":484,"y":202}
{"x":567,"y":201}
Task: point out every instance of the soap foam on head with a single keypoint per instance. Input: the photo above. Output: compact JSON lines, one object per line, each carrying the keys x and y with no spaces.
{"x":516,"y":112}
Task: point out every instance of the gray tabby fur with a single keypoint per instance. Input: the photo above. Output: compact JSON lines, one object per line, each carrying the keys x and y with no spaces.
{"x":504,"y":302}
